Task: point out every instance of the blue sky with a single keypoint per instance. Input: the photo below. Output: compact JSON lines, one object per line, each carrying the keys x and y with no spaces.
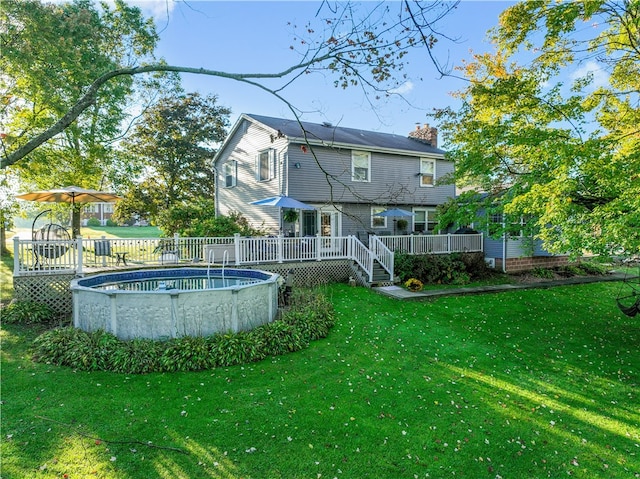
{"x":244,"y":36}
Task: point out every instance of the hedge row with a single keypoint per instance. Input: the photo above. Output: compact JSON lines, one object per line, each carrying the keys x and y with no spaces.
{"x":310,"y":317}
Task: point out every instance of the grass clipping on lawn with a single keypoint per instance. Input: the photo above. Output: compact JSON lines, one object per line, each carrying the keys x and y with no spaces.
{"x":536,"y":383}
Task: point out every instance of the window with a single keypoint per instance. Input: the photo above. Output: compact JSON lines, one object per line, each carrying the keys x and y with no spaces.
{"x":230,"y":174}
{"x":517,"y":226}
{"x":495,"y":223}
{"x":425,"y":220}
{"x":378,"y":221}
{"x":265,"y":165}
{"x":360,"y":166}
{"x":427,"y":172}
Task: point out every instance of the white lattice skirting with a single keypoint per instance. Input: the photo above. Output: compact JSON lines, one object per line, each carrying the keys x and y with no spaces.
{"x":53,"y":289}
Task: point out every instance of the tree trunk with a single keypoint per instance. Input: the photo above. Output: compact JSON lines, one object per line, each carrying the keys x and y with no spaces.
{"x":3,"y":241}
{"x":75,"y":221}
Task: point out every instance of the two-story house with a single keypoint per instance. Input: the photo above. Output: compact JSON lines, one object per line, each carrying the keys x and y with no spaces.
{"x":348,"y":175}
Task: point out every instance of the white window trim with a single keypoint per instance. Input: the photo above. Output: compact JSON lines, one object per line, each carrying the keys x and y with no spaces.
{"x":271,"y":163}
{"x":422,"y":174}
{"x":426,"y":219}
{"x":233,"y":165}
{"x":355,"y":153}
{"x":375,"y":210}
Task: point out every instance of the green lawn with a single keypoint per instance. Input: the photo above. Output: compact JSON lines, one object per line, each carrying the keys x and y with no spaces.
{"x":526,"y":384}
{"x":99,"y":231}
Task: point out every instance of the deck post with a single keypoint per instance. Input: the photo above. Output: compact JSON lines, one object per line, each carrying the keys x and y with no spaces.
{"x":279,"y":248}
{"x":80,"y":253}
{"x":17,"y":255}
{"x":236,"y":244}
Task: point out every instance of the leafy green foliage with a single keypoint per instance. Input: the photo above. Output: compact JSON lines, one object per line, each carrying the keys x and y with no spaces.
{"x":92,"y":222}
{"x":526,"y":383}
{"x":27,"y":312}
{"x":310,"y":317}
{"x":51,"y":53}
{"x":187,"y":354}
{"x":442,"y":269}
{"x":197,"y":218}
{"x":565,"y":156}
{"x":174,"y":167}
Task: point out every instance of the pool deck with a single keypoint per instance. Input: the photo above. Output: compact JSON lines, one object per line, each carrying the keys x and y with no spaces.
{"x":398,"y":292}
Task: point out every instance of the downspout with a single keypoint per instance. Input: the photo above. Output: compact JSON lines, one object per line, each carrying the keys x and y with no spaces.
{"x":285,"y":179}
{"x":215,"y":189}
{"x":504,"y":246}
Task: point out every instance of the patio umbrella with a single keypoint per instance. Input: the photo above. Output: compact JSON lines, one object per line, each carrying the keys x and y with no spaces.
{"x":73,"y":195}
{"x":395,"y":213}
{"x":282,"y":202}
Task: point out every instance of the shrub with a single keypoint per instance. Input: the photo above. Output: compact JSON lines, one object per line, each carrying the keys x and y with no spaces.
{"x":111,"y":223}
{"x":137,"y":356}
{"x":543,"y":273}
{"x":280,"y":338}
{"x":589,"y":267}
{"x":413,"y":284}
{"x":27,"y":312}
{"x":61,"y":346}
{"x":309,"y":317}
{"x":475,"y":266}
{"x":311,"y":313}
{"x":430,"y":268}
{"x":93,"y":222}
{"x":235,"y":348}
{"x":187,"y":354}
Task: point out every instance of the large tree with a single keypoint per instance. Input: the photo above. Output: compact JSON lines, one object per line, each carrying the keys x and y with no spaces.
{"x":561,"y":149}
{"x":173,"y":146}
{"x":361,"y":48}
{"x":50,"y":52}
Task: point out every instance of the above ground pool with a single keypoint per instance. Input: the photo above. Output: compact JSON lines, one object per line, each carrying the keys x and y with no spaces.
{"x":169,"y":303}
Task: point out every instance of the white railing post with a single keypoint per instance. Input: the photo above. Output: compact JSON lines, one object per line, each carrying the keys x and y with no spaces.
{"x":279,"y":248}
{"x":104,"y":257}
{"x":17,"y":255}
{"x":318,"y":244}
{"x":482,"y":242}
{"x":449,"y":243}
{"x":236,"y":244}
{"x":80,"y":254}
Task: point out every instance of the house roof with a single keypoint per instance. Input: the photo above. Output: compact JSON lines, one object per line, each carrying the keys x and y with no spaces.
{"x":339,"y":136}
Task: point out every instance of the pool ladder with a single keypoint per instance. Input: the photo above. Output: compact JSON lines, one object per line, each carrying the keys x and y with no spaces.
{"x":211,"y":260}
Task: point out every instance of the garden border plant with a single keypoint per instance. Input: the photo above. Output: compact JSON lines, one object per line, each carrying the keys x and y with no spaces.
{"x":309,"y":317}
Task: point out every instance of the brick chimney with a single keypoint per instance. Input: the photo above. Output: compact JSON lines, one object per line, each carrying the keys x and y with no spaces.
{"x":427,"y":134}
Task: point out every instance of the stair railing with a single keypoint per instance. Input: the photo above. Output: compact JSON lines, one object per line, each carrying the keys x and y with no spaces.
{"x":382,"y":254}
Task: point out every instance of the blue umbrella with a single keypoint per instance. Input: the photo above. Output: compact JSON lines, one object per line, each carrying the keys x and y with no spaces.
{"x":396,"y":212}
{"x":283,"y":202}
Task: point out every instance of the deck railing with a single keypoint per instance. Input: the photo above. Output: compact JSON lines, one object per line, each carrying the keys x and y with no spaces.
{"x":81,"y":255}
{"x":434,"y":244}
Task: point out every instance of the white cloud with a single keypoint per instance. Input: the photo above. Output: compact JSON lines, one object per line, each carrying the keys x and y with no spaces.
{"x":600,"y":76}
{"x":403,"y":89}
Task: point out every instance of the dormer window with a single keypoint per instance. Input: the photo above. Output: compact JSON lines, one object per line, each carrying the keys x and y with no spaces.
{"x":361,"y":166}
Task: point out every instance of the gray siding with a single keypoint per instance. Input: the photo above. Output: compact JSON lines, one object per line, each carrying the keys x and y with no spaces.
{"x":243,"y":147}
{"x":492,"y":247}
{"x":326,"y":178}
{"x":516,"y":248}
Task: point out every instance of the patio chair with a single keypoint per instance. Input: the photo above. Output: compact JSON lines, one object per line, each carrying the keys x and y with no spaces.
{"x":103,"y":248}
